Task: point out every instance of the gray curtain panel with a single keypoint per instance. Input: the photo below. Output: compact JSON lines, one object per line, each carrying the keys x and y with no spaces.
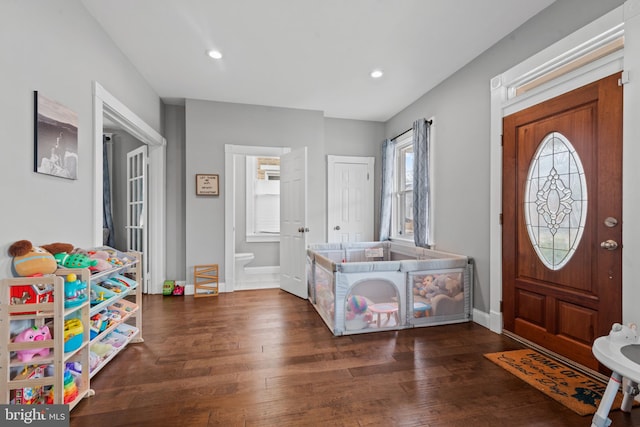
{"x":108,"y":228}
{"x":421,"y":186}
{"x":388,"y":163}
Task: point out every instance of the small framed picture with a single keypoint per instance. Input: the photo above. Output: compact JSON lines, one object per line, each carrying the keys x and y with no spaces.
{"x":207,"y":185}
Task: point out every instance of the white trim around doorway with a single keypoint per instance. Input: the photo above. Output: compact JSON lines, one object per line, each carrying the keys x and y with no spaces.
{"x":581,"y":46}
{"x":106,"y":105}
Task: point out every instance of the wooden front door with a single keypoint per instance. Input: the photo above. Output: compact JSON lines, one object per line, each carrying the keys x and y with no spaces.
{"x":562,"y":220}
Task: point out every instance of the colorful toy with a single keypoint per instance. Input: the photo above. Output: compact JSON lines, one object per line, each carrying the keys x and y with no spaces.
{"x":31,"y":294}
{"x":167,"y":287}
{"x":28,"y":395}
{"x":75,"y":291}
{"x":31,"y":261}
{"x":178,"y":290}
{"x":357,"y":304}
{"x":33,"y":333}
{"x":76,"y":260}
{"x":73,"y":330}
{"x":358,"y":315}
{"x":70,"y":389}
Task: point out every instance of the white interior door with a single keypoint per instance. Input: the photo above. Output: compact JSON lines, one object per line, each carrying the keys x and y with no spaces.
{"x":136,"y":226}
{"x":350,"y":199}
{"x":293,"y":220}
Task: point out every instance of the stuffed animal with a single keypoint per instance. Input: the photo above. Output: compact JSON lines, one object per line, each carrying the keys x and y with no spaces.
{"x":102,"y":261}
{"x":358,"y":315}
{"x":29,"y":260}
{"x":437,"y":287}
{"x":56,"y":248}
{"x":66,"y":257}
{"x":444,"y":284}
{"x":31,"y":334}
{"x":420,"y":287}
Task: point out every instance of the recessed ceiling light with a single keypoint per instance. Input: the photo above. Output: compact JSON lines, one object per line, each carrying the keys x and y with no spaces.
{"x":376,"y":74}
{"x":215,"y":54}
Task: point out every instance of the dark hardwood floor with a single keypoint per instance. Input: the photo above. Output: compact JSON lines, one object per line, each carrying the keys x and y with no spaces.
{"x":265,"y":358}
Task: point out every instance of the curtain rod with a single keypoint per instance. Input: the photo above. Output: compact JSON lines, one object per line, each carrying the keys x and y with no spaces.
{"x":430,"y":122}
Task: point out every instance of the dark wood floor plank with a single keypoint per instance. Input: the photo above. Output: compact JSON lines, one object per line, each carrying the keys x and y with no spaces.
{"x":265,"y":358}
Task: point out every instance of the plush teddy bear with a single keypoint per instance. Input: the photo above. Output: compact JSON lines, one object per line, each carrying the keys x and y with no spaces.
{"x":29,"y":260}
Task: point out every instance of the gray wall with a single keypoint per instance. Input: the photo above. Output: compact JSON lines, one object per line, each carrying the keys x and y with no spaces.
{"x":56,"y":48}
{"x":211,"y":125}
{"x":174,"y":132}
{"x":358,"y":138}
{"x":461,"y":107}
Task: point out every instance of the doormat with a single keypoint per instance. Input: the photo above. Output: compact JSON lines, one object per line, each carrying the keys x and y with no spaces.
{"x":572,"y":388}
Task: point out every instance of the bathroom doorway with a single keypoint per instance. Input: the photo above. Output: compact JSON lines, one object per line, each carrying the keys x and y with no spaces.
{"x":260,"y":251}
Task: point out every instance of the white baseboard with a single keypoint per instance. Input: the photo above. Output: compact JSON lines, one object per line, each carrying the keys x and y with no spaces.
{"x":481,"y":318}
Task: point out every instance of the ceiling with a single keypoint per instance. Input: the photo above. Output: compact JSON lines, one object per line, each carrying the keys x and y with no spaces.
{"x":306,"y":54}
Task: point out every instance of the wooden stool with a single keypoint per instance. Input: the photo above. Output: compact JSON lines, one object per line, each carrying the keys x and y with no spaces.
{"x":205,"y":278}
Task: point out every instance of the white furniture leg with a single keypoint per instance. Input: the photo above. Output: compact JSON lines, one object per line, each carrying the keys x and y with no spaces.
{"x":601,"y":417}
{"x":630,"y":392}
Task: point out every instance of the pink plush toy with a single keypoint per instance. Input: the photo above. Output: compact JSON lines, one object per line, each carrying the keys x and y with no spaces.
{"x":33,"y":334}
{"x":101,"y":257}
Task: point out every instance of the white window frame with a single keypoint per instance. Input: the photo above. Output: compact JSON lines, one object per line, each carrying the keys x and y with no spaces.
{"x":251,"y":234}
{"x":400,"y":143}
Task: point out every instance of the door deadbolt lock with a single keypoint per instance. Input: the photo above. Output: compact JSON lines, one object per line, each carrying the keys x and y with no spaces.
{"x":337,"y":228}
{"x":609,"y":245}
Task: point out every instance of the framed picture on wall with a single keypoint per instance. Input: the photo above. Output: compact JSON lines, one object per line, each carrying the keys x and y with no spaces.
{"x":207,"y":185}
{"x":55,"y":138}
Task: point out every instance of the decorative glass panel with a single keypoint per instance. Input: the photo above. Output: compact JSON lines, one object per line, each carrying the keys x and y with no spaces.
{"x":555,"y":201}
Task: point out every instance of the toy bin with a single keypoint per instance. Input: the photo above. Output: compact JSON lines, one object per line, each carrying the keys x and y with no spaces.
{"x":125,"y":281}
{"x":372,"y":286}
{"x":100,"y":295}
{"x":114,"y":286}
{"x":124,"y":307}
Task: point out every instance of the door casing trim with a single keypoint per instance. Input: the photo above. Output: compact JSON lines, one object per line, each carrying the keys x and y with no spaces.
{"x":504,"y":102}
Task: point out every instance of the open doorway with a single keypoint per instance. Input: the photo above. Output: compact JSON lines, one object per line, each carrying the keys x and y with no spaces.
{"x":235,"y":216}
{"x":107,"y":107}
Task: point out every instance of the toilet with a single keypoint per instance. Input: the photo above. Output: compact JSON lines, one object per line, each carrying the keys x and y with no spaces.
{"x":241,"y":260}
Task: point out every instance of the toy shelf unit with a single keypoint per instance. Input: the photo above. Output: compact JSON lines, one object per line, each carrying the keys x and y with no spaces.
{"x":373,"y":286}
{"x":205,"y":280}
{"x":44,"y":341}
{"x":115,"y":316}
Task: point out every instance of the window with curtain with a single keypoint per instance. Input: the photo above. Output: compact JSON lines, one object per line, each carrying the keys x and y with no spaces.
{"x":402,"y":213}
{"x":403,"y":224}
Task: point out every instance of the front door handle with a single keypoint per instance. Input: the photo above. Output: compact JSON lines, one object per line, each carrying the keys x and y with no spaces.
{"x":609,"y":245}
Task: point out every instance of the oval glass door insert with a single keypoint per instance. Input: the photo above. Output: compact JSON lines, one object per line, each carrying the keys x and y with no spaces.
{"x":555,"y":201}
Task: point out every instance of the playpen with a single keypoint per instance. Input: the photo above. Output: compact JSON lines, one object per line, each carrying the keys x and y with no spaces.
{"x":373,"y":286}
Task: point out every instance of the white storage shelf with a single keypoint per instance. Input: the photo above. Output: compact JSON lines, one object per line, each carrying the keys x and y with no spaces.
{"x":53,"y":314}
